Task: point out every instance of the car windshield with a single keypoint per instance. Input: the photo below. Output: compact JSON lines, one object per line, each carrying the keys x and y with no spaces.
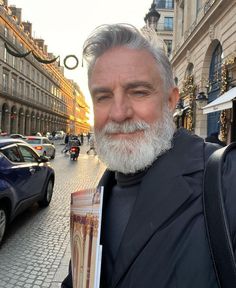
{"x":34,"y":141}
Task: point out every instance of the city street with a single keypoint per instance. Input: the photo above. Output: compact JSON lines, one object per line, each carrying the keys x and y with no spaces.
{"x":36,"y":250}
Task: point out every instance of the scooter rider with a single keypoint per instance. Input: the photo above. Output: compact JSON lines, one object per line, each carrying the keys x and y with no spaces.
{"x":74,"y":147}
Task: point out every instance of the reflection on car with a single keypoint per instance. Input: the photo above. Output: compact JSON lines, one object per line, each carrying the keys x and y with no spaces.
{"x":16,"y":136}
{"x":25,"y":178}
{"x":42,"y":145}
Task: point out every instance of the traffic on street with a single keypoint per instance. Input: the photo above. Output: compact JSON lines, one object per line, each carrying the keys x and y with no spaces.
{"x":36,"y":248}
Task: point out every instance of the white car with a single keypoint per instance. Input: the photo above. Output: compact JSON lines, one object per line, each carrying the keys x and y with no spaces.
{"x":59,"y":135}
{"x":42,"y":145}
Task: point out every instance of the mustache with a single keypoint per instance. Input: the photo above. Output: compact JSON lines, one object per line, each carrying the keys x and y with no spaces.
{"x":125,"y":127}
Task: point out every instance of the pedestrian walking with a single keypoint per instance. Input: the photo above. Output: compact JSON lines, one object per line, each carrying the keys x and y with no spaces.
{"x":66,"y":142}
{"x":82,"y":138}
{"x":92,"y":146}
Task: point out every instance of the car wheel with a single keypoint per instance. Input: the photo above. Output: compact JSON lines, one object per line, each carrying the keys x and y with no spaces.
{"x":3,"y":222}
{"x":47,"y":194}
{"x":53,"y":155}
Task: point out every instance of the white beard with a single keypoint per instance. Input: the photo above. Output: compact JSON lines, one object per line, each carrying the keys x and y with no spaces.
{"x":137,"y":153}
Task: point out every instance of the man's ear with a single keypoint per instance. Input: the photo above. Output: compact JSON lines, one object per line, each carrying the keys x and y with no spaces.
{"x":173,"y":98}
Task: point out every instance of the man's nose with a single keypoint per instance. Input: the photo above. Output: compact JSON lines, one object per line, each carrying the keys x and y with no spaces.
{"x":121,"y":109}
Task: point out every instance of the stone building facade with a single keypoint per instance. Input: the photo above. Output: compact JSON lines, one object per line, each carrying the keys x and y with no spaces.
{"x":204,"y":65}
{"x":166,"y":23}
{"x":35,"y":96}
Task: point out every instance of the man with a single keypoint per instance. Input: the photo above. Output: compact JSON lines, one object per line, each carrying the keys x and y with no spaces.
{"x":66,"y":141}
{"x":153,"y":232}
{"x":92,"y":146}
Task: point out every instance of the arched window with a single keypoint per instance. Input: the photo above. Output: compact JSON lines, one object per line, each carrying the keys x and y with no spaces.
{"x":215,"y":68}
{"x":189,"y":70}
{"x":213,"y":119}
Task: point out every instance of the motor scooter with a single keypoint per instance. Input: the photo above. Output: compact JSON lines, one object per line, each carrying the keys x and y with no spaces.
{"x":74,"y":152}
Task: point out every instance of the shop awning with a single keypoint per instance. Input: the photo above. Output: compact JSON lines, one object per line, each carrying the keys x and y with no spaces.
{"x":221,"y":103}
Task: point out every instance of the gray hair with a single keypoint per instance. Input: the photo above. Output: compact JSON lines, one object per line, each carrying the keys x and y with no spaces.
{"x":108,"y":36}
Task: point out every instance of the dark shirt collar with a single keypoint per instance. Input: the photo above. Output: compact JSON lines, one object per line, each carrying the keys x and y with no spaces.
{"x":126,"y":180}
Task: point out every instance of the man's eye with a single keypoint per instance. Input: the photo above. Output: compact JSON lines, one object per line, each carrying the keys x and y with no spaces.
{"x":101,"y":98}
{"x":139,"y":93}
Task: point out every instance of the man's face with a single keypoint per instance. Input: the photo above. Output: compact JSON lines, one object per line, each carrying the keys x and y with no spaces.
{"x":126,"y":88}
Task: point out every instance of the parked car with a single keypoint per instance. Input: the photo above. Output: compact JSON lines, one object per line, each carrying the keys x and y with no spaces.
{"x":25,"y":178}
{"x":17,"y":136}
{"x":59,"y":135}
{"x":42,"y":145}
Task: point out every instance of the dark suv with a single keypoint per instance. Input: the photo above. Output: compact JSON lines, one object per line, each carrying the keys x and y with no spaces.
{"x":25,"y":178}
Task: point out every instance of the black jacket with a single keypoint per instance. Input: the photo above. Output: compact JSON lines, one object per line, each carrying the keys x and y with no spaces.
{"x":165,"y":243}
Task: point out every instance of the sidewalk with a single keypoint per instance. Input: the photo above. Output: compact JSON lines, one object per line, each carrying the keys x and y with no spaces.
{"x":63,"y":268}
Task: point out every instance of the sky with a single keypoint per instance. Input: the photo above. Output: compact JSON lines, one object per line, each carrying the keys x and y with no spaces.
{"x":64,"y":25}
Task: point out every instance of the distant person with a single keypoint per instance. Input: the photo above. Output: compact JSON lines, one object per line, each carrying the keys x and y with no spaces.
{"x":92,"y":145}
{"x":53,"y":134}
{"x":214,"y":138}
{"x":82,"y":138}
{"x":88,"y":136}
{"x":66,"y":141}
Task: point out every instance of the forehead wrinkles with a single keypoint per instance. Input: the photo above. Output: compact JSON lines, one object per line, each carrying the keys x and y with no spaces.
{"x":124,"y":62}
{"x":128,"y":74}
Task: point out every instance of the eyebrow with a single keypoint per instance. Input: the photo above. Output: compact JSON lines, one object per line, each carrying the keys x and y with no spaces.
{"x":137,"y":84}
{"x":130,"y":85}
{"x":97,"y":90}
{"x":126,"y":86}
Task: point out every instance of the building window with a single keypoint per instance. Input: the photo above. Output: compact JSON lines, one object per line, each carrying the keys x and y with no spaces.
{"x":13,"y":61}
{"x":181,"y":10}
{"x":5,"y":80}
{"x":27,"y":90}
{"x":21,"y":89}
{"x":5,"y":32}
{"x":198,"y":6}
{"x":5,"y":57}
{"x":28,"y":70}
{"x":38,"y":96}
{"x":33,"y":74}
{"x":165,"y":4}
{"x":169,"y":4}
{"x":168,"y":23}
{"x":13,"y":86}
{"x":168,"y":46}
{"x":215,"y":68}
{"x":33,"y":93}
{"x":21,"y":66}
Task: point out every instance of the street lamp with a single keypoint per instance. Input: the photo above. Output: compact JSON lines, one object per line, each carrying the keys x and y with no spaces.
{"x":201,"y":96}
{"x":152,"y":17}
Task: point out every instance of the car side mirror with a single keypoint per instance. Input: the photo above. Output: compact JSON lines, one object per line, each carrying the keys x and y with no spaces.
{"x":43,"y":159}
